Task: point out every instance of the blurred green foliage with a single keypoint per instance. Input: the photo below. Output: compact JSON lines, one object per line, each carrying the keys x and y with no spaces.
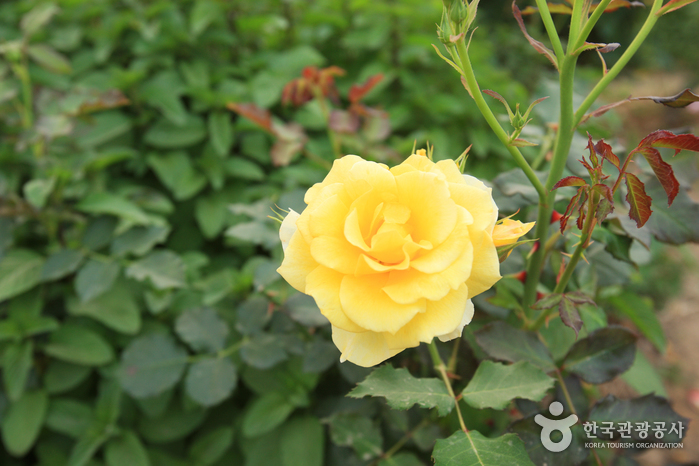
{"x":143,"y":321}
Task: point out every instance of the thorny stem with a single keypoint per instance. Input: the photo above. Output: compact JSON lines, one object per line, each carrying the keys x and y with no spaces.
{"x":442,"y":369}
{"x":492,"y":120}
{"x":621,"y":63}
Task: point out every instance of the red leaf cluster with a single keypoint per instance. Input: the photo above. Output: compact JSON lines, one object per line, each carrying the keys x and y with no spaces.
{"x":301,"y":90}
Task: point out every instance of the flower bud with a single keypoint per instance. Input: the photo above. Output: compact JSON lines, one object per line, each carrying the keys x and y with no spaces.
{"x":509,"y":231}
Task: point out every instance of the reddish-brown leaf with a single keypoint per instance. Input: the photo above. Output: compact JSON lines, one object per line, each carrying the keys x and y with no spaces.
{"x":254,"y":113}
{"x":593,"y":153}
{"x":519,"y":142}
{"x":570,"y":316}
{"x":679,"y":142}
{"x":572,"y":205}
{"x":673,"y":5}
{"x":497,"y":96}
{"x":569,"y":181}
{"x":342,"y":121}
{"x":538,"y":46}
{"x":680,"y":100}
{"x":605,"y":150}
{"x":616,"y":4}
{"x":566,"y":10}
{"x":639,"y":201}
{"x":663,"y":171}
{"x":357,"y":92}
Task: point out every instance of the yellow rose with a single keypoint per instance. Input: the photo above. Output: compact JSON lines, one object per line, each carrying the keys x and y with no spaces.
{"x":509,"y":231}
{"x":392,"y":257}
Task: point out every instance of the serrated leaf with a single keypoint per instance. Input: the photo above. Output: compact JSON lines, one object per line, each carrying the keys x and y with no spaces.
{"x":175,"y":424}
{"x":68,"y":416}
{"x":94,"y":278}
{"x":602,"y":355}
{"x":472,"y":448}
{"x":663,"y":172}
{"x":501,"y":341}
{"x":37,"y":18}
{"x":570,"y":181}
{"x":569,"y":314}
{"x":164,"y":269}
{"x":402,"y":390}
{"x":210,"y":381}
{"x":165,"y":134}
{"x":22,"y":422}
{"x":644,"y":378}
{"x":176,"y":172}
{"x":639,"y":202}
{"x":151,"y":364}
{"x":548,"y":301}
{"x":302,"y":442}
{"x":495,"y":385}
{"x":649,"y":408}
{"x":605,"y":150}
{"x":263,"y":351}
{"x":20,"y":270}
{"x":79,"y":345}
{"x":303,"y":309}
{"x":202,"y":329}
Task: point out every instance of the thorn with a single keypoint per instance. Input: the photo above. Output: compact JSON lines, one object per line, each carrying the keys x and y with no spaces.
{"x":555,"y":216}
{"x":539,"y":295}
{"x":521,"y":276}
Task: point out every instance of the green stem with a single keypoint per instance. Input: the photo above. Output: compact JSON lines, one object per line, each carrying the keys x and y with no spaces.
{"x":442,"y":369}
{"x":620,"y":64}
{"x":551,"y":29}
{"x":334,"y":142}
{"x":564,"y":138}
{"x":575,"y":23}
{"x":566,"y":394}
{"x":492,"y":120}
{"x":399,"y":444}
{"x":594,"y":17}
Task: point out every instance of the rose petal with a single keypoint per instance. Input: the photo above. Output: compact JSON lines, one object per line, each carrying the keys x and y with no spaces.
{"x":486,"y":265}
{"x":335,"y":253}
{"x":288,"y":228}
{"x":465,"y":320}
{"x":367,"y":305}
{"x":297,"y":263}
{"x":363,"y":349}
{"x":448,"y":251}
{"x":328,"y":218}
{"x":324,"y":285}
{"x":338,"y":174}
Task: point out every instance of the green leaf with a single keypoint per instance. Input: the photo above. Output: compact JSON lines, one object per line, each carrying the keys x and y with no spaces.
{"x":87,"y":445}
{"x":208,"y":448}
{"x":210,"y":212}
{"x":116,"y":309}
{"x":94,"y":278}
{"x":164,"y":269}
{"x":640,"y":311}
{"x":238,"y":167}
{"x":530,"y":433}
{"x":252,"y":315}
{"x":79,"y":345}
{"x":263,"y":351}
{"x":61,"y":263}
{"x":304,"y":310}
{"x":473,"y":449}
{"x":255,"y":232}
{"x":176,"y":172}
{"x":402,"y":390}
{"x":139,"y":240}
{"x":570,"y":316}
{"x":356,"y":431}
{"x":221,"y":132}
{"x":22,"y":422}
{"x":649,"y":408}
{"x":37,"y":18}
{"x":37,"y":191}
{"x":126,"y":450}
{"x":401,"y":459}
{"x":155,"y":406}
{"x":211,"y":380}
{"x":202,"y":329}
{"x":495,"y":385}
{"x":103,"y":127}
{"x":678,"y":224}
{"x":203,"y":14}
{"x":69,"y":417}
{"x":166,"y":135}
{"x":151,"y":364}
{"x":48,"y":58}
{"x":16,"y":362}
{"x":175,"y":424}
{"x":501,"y":341}
{"x":602,"y":355}
{"x":302,"y":442}
{"x":639,"y":202}
{"x":108,"y":406}
{"x":63,"y":376}
{"x":673,"y":5}
{"x":163,"y":92}
{"x":20,"y":270}
{"x":266,"y":413}
{"x":643,"y":377}
{"x":112,"y":204}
